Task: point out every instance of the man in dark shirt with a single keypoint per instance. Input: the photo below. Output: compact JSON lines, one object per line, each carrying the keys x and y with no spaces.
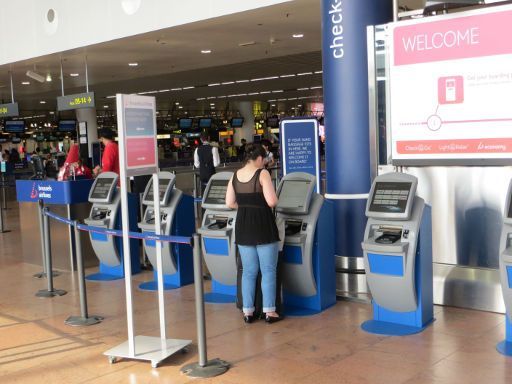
{"x":206,"y":158}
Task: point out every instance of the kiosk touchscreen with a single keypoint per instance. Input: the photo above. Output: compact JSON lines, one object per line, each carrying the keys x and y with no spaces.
{"x":218,"y":240}
{"x":397,"y":250}
{"x":309,"y":274}
{"x":505,"y":347}
{"x":176,"y":219}
{"x":105,"y":213}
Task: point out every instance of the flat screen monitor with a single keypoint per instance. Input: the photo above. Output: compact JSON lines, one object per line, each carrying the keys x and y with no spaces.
{"x":16,"y":140}
{"x":217,"y":192}
{"x":205,"y":123}
{"x":164,"y":186}
{"x":14,"y":126}
{"x":237,"y":122}
{"x":67,"y":126}
{"x":102,"y":189}
{"x":185,"y":124}
{"x":390,"y":197}
{"x":273,"y":122}
{"x":294,"y":195}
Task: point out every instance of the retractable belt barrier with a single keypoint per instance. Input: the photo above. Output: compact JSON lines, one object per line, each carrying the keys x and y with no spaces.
{"x":204,"y":367}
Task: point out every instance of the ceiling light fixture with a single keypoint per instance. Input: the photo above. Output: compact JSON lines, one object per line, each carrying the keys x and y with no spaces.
{"x":74,"y":74}
{"x":228,"y":83}
{"x":188,"y":88}
{"x":242,"y":81}
{"x":133,"y":64}
{"x":175,"y":89}
{"x":318,"y":72}
{"x":42,"y":102}
{"x":36,"y":76}
{"x":284,"y":76}
{"x":180,"y":107}
{"x":25,"y":82}
{"x":298,"y":35}
{"x":213,"y":84}
{"x":304,"y":73}
{"x":48,"y":78}
{"x":105,"y":106}
{"x":206,"y":51}
{"x":177,"y":103}
{"x":246,"y":44}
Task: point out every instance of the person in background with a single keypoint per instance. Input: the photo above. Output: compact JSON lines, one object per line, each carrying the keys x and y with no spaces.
{"x":252,"y":193}
{"x":110,"y":158}
{"x":206,"y":158}
{"x":241,"y":150}
{"x":269,"y":156}
{"x":73,"y":166}
{"x":14,"y":156}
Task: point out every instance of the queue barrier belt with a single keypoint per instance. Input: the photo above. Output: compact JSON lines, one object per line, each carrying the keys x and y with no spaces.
{"x":118,"y":232}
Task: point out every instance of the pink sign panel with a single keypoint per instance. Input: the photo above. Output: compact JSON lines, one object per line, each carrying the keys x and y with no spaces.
{"x":453,"y":38}
{"x":141,"y":151}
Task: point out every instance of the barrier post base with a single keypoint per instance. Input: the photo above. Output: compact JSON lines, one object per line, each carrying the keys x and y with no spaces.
{"x":149,"y":349}
{"x":79,"y":321}
{"x":40,"y":275}
{"x":53,"y":293}
{"x":212,"y":368}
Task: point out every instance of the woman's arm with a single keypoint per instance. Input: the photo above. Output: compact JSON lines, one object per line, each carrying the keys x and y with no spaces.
{"x":268,"y":188}
{"x":231,"y":196}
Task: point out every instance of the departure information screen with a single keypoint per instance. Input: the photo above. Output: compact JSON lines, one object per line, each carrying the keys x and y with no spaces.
{"x":390,"y":197}
{"x":102,"y":188}
{"x":164,"y":183}
{"x":217,"y":192}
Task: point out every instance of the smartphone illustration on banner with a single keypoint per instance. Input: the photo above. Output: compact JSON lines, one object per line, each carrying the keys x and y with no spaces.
{"x":450,"y":90}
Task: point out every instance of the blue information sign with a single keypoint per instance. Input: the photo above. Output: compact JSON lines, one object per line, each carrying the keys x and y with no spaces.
{"x":299,"y":147}
{"x":53,"y":192}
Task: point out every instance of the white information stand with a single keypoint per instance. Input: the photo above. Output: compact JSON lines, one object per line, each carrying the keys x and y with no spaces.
{"x":136,"y":118}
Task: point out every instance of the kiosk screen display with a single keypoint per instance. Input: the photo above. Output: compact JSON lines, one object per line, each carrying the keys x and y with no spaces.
{"x":164,"y":183}
{"x":390,"y":197}
{"x":294,"y":194}
{"x":510,"y":209}
{"x":217,"y":192}
{"x":102,"y":188}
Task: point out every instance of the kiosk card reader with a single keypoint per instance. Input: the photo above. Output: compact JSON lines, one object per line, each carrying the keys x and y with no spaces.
{"x":176,"y":219}
{"x":105,"y":213}
{"x":309,"y":272}
{"x":397,"y":251}
{"x":218,"y":240}
{"x":505,"y":347}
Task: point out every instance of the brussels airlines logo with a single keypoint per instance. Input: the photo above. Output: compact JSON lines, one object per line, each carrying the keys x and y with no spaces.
{"x":41,"y":192}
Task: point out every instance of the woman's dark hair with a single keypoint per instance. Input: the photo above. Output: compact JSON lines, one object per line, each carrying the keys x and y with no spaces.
{"x":266,"y":143}
{"x":253,"y":151}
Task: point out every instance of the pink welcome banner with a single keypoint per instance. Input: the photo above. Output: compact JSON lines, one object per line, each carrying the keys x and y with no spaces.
{"x":455,"y":38}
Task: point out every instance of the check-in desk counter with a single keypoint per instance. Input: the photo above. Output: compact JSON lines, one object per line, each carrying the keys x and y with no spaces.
{"x":218,"y":240}
{"x":397,"y":251}
{"x":308,"y":268}
{"x":505,"y":347}
{"x":65,"y":198}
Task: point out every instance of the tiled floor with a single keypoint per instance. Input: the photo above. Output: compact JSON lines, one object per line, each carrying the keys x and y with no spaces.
{"x":36,"y":346}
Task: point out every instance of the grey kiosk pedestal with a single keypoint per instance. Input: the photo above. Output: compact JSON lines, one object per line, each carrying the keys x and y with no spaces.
{"x":397,"y":251}
{"x":176,"y":219}
{"x":105,"y":213}
{"x":505,"y":347}
{"x":218,"y":240}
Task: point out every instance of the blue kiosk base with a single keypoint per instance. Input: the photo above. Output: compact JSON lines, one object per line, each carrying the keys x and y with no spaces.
{"x":153,"y":286}
{"x":390,"y":329}
{"x":505,"y":347}
{"x":221,"y":294}
{"x":103,"y":277}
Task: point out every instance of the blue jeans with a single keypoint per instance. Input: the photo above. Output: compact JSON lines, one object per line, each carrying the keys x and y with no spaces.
{"x":254,"y":258}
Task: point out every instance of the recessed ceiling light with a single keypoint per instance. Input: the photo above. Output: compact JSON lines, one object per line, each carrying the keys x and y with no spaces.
{"x":180,"y":107}
{"x":298,"y":35}
{"x":74,"y":74}
{"x":105,"y":106}
{"x":177,"y":103}
{"x":242,"y":81}
{"x":188,"y":88}
{"x":228,"y":82}
{"x":42,"y":102}
{"x":212,"y":104}
{"x":48,"y":78}
{"x":246,"y":43}
{"x":133,"y":64}
{"x":213,"y":84}
{"x":273,"y":105}
{"x":304,"y":73}
{"x":25,"y":82}
{"x":52,"y":113}
{"x":290,"y":75}
{"x":206,"y":51}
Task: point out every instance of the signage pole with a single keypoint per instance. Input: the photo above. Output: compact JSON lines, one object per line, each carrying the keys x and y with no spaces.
{"x":61,"y":78}
{"x":12,"y":88}
{"x":86,"y":76}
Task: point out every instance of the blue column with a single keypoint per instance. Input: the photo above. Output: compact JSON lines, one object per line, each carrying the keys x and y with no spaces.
{"x":345,"y":74}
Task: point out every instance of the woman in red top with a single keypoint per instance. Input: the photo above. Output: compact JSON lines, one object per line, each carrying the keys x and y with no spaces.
{"x":73,"y":166}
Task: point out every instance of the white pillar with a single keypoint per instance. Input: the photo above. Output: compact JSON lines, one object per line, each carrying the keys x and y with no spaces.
{"x":247,"y":131}
{"x":89,"y":116}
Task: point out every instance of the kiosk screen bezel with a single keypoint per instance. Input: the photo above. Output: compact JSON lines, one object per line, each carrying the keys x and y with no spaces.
{"x":216,"y":201}
{"x":306,"y":200}
{"x":508,"y":207}
{"x":391,"y":182}
{"x":148,"y":198}
{"x":105,"y":196}
{"x":393,"y":193}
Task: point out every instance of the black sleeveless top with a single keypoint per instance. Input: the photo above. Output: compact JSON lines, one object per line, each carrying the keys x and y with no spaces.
{"x":255,"y":222}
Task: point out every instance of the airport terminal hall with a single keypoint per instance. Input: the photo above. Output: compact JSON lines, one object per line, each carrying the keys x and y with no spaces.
{"x":256,"y":192}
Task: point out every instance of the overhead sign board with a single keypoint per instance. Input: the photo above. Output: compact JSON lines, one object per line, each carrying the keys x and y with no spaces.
{"x":137,"y":134}
{"x":299,"y":147}
{"x":9,"y":110}
{"x":76,"y":101}
{"x":450,"y":87}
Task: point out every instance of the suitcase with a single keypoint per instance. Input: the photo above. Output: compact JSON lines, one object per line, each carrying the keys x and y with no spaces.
{"x":258,"y":297}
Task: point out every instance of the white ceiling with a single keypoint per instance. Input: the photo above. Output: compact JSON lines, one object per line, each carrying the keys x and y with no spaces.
{"x":172,"y":58}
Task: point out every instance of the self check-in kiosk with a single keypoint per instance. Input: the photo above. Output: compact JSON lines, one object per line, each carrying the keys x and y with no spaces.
{"x":176,"y":219}
{"x":218,"y":240}
{"x":397,"y":251}
{"x":505,"y":347}
{"x":106,"y":213}
{"x":309,"y":274}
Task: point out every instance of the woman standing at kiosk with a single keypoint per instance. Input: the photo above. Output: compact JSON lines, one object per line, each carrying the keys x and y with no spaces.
{"x":251,"y":192}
